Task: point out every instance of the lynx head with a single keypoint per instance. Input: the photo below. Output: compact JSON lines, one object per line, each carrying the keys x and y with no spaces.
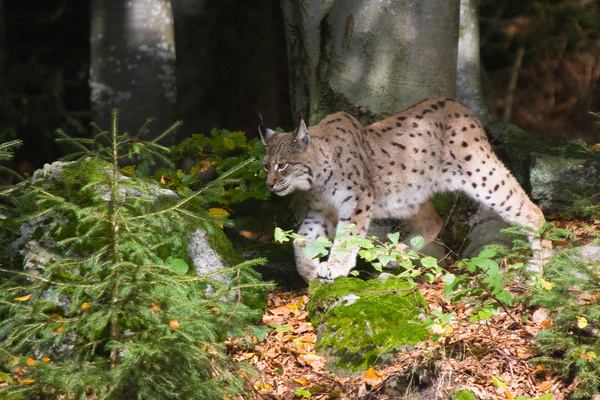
{"x":286,"y":162}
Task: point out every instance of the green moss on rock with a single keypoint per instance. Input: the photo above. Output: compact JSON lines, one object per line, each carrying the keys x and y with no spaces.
{"x":363,"y":323}
{"x":463,"y":395}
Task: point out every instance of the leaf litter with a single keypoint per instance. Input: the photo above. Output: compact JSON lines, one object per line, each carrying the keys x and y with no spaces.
{"x":488,"y":357}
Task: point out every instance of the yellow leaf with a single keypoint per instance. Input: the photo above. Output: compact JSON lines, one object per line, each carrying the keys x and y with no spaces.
{"x":545,"y":386}
{"x":581,"y":322}
{"x":26,"y":381}
{"x":219,"y":215}
{"x":128,"y":170}
{"x":547,"y":285}
{"x":23,"y":298}
{"x":499,"y":382}
{"x":174,"y":324}
{"x":595,"y":147}
{"x":509,"y":395}
{"x":303,"y":380}
{"x":373,"y":378}
{"x":85,"y":306}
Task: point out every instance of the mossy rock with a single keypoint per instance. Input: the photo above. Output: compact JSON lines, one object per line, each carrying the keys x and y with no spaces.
{"x":364,"y":323}
{"x":86,"y":183}
{"x":463,"y":395}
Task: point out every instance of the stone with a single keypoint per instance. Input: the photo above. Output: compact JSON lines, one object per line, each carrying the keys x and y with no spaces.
{"x":365,"y":323}
{"x":556,"y":180}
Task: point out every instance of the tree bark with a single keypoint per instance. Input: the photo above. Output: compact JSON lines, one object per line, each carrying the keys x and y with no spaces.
{"x":369,"y":57}
{"x":132,"y":65}
{"x":468,"y":74}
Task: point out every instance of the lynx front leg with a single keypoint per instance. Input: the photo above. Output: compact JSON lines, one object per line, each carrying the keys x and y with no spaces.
{"x":342,"y":258}
{"x":426,"y":223}
{"x":313,"y":226}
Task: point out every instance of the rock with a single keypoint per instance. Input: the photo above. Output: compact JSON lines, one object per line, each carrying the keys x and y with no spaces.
{"x":590,"y":254}
{"x":556,"y":180}
{"x":208,"y":253}
{"x":365,"y":323}
{"x":486,"y":229}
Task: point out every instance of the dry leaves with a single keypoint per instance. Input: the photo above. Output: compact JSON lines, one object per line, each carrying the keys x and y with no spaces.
{"x":489,"y":358}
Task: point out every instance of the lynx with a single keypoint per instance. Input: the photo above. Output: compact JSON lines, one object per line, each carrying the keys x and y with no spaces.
{"x":352,"y":174}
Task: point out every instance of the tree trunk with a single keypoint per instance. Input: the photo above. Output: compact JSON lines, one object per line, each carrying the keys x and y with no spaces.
{"x":5,"y":106}
{"x":468,"y":74}
{"x":368,"y":57}
{"x":132,"y":64}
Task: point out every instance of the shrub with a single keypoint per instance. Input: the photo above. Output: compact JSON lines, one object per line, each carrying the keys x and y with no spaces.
{"x":571,"y":343}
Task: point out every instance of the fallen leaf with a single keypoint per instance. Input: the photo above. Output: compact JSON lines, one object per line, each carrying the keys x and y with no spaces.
{"x":526,"y":352}
{"x":545,"y":386}
{"x":30,"y":361}
{"x":373,"y":378}
{"x":174,"y":324}
{"x":23,"y":298}
{"x":303,"y":380}
{"x":499,"y":382}
{"x":315,"y":361}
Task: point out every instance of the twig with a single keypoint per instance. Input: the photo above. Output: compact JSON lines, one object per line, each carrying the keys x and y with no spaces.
{"x":512,"y":85}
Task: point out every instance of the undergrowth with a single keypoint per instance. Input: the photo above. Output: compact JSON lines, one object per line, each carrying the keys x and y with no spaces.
{"x":115,"y":311}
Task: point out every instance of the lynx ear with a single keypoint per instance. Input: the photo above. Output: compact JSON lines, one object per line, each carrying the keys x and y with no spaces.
{"x":266,"y":134}
{"x":300,"y":135}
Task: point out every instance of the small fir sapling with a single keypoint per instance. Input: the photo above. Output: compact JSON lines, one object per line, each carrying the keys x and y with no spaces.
{"x":117,"y":314}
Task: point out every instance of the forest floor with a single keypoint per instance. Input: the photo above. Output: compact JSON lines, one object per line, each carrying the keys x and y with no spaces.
{"x":490,"y":357}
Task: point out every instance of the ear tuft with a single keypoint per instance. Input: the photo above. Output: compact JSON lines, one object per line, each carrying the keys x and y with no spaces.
{"x":266,"y":134}
{"x":300,"y":135}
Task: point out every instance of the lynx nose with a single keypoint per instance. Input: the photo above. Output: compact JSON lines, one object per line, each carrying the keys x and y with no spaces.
{"x":270,"y":183}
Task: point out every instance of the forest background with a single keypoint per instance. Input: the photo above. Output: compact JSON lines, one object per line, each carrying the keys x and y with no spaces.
{"x":227,"y":61}
{"x":552,"y":48}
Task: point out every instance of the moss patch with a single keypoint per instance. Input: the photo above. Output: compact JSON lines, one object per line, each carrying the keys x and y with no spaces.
{"x":363,"y":323}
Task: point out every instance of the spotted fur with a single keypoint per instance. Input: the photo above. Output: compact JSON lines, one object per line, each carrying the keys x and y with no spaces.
{"x":351,"y":174}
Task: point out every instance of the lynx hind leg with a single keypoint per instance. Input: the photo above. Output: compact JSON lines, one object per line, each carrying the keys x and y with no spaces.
{"x":495,"y":187}
{"x":426,"y":223}
{"x":312,"y":227}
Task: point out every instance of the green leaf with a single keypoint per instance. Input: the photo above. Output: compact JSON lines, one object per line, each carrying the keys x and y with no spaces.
{"x":319,"y":248}
{"x":303,"y":393}
{"x":178,"y":265}
{"x":487,"y":253}
{"x":429,"y":262}
{"x":394,"y":237}
{"x":417,"y":242}
{"x":280,"y":235}
{"x":385,"y":259}
{"x":228,"y":143}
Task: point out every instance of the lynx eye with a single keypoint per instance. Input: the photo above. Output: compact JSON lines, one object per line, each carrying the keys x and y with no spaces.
{"x":281,"y":167}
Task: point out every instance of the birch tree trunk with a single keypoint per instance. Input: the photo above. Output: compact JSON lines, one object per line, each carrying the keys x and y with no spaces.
{"x":132,"y":65}
{"x":372,"y":58}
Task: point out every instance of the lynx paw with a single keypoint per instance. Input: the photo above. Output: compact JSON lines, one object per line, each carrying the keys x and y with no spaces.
{"x":330,"y":270}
